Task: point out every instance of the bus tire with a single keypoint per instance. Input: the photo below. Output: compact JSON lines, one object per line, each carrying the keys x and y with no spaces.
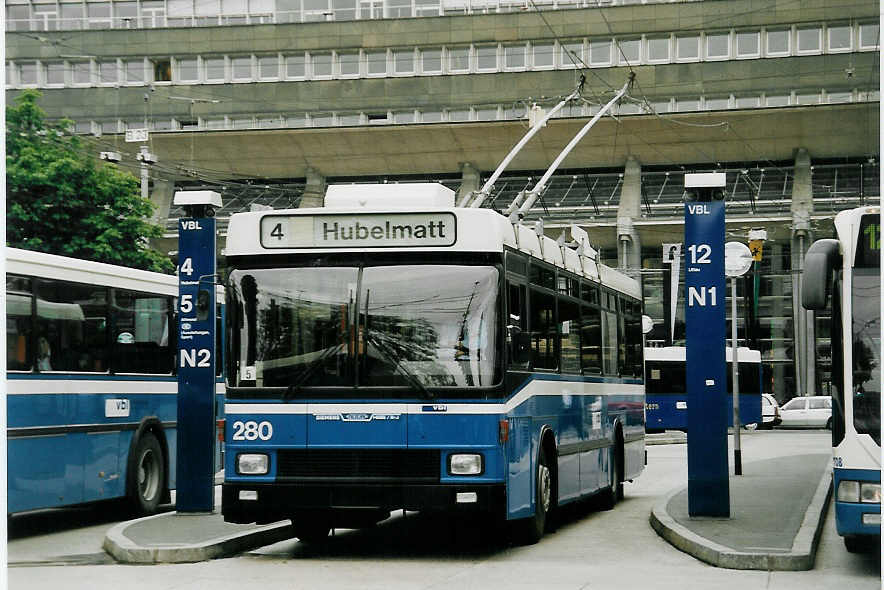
{"x":614,"y":492}
{"x":855,"y":544}
{"x":310,"y":529}
{"x":531,"y":529}
{"x":146,"y":475}
{"x":828,"y":423}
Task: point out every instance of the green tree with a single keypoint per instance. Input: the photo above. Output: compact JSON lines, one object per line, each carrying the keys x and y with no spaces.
{"x":60,"y":201}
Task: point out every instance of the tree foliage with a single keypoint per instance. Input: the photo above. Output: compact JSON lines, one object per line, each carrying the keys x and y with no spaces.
{"x":60,"y":201}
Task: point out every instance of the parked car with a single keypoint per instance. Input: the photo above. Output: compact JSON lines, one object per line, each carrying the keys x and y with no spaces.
{"x":807,"y":412}
{"x":770,"y":412}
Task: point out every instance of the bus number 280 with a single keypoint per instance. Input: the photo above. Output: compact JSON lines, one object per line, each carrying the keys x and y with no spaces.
{"x":252,"y":430}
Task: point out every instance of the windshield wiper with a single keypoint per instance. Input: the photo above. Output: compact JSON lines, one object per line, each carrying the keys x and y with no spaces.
{"x":393,"y":356}
{"x":295,"y":386}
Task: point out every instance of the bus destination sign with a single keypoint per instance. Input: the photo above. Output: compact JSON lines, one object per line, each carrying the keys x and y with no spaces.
{"x":359,"y":231}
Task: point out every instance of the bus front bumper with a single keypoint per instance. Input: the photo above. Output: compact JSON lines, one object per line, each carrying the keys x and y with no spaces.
{"x":271,"y":502}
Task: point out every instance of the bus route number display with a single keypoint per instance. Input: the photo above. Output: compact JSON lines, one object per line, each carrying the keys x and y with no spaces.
{"x":358,"y":231}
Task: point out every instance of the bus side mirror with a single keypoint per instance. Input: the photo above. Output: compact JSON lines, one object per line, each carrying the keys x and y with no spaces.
{"x":821,"y":259}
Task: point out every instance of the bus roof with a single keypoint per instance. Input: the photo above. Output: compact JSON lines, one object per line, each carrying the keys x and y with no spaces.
{"x":51,"y":266}
{"x":425,"y":226}
{"x":677,"y":354}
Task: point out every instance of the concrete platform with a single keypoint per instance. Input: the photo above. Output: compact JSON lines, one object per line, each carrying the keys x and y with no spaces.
{"x":777,"y":508}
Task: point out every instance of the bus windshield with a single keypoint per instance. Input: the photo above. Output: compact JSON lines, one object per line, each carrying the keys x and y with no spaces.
{"x":382,"y":326}
{"x":867,"y":351}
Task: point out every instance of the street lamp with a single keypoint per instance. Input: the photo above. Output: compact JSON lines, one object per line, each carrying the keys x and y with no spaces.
{"x":737,"y":260}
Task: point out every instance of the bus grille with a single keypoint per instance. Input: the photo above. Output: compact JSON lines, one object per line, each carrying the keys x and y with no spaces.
{"x":365,"y":465}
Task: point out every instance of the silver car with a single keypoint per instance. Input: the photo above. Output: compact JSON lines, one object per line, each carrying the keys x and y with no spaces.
{"x":807,"y":412}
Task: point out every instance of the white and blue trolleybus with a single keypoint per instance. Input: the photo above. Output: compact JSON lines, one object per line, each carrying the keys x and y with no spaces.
{"x":91,"y":391}
{"x":849,"y":268}
{"x":393,"y":351}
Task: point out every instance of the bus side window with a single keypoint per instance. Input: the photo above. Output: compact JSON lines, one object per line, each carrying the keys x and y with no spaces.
{"x":19,"y":324}
{"x":591,"y":340}
{"x":544,"y":331}
{"x":518,"y":339}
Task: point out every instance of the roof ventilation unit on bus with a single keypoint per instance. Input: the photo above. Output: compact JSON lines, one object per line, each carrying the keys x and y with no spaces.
{"x":413,"y":195}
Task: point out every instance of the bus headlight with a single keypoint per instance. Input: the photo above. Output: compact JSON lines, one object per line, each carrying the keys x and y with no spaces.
{"x":252,"y":464}
{"x":870,"y":493}
{"x":465,"y":464}
{"x":848,"y":491}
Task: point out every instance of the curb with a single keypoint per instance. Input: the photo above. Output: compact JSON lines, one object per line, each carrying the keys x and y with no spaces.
{"x":124,"y":550}
{"x":800,"y":558}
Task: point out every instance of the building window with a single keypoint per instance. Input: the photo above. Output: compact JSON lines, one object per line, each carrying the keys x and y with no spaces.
{"x":431,"y":116}
{"x":839,"y":38}
{"x":629,"y":51}
{"x":403,"y":117}
{"x":486,"y":114}
{"x":294,"y":66}
{"x":748,"y":44}
{"x":344,"y":9}
{"x":376,"y":62}
{"x":781,"y":100}
{"x":99,"y":14}
{"x":571,"y":54}
{"x":162,"y":70}
{"x":718,"y":45}
{"x":403,"y":61}
{"x":108,"y":72}
{"x":153,"y":13}
{"x":27,"y":73}
{"x":600,"y":52}
{"x":807,"y":98}
{"x":543,"y":54}
{"x":321,"y":64}
{"x":81,"y":72}
{"x":459,"y":115}
{"x":486,"y":58}
{"x":72,"y":16}
{"x":188,"y":69}
{"x":683,"y":105}
{"x":268,"y":67}
{"x":718,"y":103}
{"x":18,"y":17}
{"x":348,"y":63}
{"x":658,"y":49}
{"x":241,"y":68}
{"x":838,"y":97}
{"x":214,"y":69}
{"x":869,"y":36}
{"x":54,"y":74}
{"x":458,"y":59}
{"x":778,"y":42}
{"x":687,"y":47}
{"x":134,"y":69}
{"x":514,"y":57}
{"x":426,"y":7}
{"x":747,"y":102}
{"x":431,"y":61}
{"x":125,"y":15}
{"x":809,"y":40}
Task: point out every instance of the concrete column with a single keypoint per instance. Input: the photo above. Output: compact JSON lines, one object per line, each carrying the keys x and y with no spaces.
{"x":314,"y":191}
{"x":629,"y":255}
{"x":469,"y":181}
{"x":802,"y":208}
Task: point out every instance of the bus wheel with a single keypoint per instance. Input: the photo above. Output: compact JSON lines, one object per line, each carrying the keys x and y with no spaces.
{"x":147,"y":474}
{"x":829,"y":424}
{"x":856,"y":544}
{"x":532,"y":528}
{"x":614,"y":493}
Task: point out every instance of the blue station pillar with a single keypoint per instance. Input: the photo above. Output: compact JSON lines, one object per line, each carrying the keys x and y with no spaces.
{"x":196,"y":352}
{"x":708,"y":491}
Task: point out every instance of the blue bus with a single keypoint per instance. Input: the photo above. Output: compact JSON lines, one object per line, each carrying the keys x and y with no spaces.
{"x":849,"y":267}
{"x":666,"y":393}
{"x":393,"y":351}
{"x":91,"y":390}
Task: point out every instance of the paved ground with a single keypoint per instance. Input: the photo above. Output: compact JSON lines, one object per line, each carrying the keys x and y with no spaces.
{"x":591,"y":549}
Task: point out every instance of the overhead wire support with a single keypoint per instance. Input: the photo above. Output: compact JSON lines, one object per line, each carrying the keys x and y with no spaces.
{"x":532,"y":195}
{"x":479,"y":197}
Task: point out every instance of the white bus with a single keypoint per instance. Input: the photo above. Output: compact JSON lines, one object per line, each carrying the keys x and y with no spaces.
{"x":849,"y":267}
{"x":393,"y":351}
